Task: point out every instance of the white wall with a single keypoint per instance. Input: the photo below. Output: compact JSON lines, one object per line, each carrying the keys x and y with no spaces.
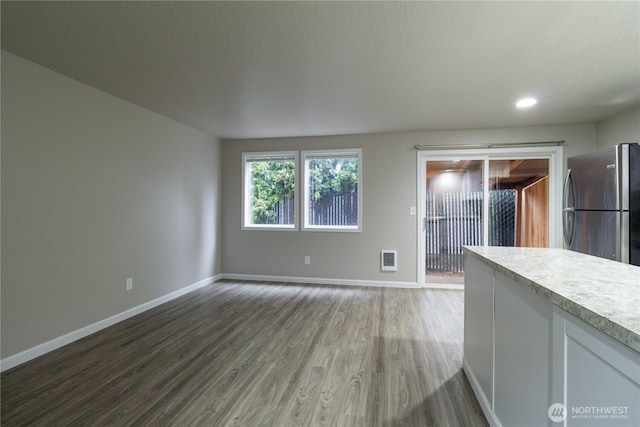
{"x":620,"y":128}
{"x":389,"y":190}
{"x":95,"y":190}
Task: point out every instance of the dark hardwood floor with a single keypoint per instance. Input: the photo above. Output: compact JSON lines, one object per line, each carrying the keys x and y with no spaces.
{"x":257,"y":354}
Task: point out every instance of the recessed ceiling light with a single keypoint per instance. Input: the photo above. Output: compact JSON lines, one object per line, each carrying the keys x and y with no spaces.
{"x":526,"y":102}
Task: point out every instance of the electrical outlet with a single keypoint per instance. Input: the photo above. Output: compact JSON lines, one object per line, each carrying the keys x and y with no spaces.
{"x":128,"y":284}
{"x":307,"y":260}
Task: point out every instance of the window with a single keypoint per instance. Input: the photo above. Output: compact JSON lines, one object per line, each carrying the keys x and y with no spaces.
{"x":269,"y":190}
{"x":333,"y":190}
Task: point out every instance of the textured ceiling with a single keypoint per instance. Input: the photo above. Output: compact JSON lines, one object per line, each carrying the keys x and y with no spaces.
{"x":267,"y":69}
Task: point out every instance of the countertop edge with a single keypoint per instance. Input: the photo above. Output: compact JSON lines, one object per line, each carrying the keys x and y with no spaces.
{"x":612,"y":329}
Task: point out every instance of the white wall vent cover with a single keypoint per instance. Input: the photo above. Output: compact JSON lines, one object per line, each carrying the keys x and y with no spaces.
{"x":389,"y":260}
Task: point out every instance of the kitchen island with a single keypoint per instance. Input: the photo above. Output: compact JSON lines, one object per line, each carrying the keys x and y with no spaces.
{"x":546,"y":326}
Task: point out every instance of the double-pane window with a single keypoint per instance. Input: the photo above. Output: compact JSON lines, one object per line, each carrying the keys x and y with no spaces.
{"x":269,"y":182}
{"x":332,"y":190}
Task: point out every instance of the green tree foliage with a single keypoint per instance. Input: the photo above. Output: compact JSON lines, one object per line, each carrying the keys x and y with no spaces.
{"x":332,"y":176}
{"x":272,"y":182}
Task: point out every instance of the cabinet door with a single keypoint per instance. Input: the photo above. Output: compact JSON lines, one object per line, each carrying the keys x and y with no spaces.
{"x":523,"y":324}
{"x":478,"y":326}
{"x":602,"y":376}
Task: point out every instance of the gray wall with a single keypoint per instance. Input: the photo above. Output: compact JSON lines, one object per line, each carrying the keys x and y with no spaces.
{"x":95,"y":190}
{"x":389,"y":190}
{"x":620,"y":128}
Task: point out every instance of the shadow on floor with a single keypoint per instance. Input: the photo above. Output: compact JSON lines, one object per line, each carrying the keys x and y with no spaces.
{"x":452,"y":404}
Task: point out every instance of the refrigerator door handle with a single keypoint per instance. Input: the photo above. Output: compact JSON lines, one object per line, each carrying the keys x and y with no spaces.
{"x":568,"y":227}
{"x":568,"y":187}
{"x":568,"y":223}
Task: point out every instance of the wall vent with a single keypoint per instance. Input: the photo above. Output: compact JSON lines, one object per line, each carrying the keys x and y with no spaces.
{"x":389,"y":260}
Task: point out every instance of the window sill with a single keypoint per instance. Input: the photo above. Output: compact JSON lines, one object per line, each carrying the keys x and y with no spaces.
{"x":334,"y":229}
{"x":266,"y":227}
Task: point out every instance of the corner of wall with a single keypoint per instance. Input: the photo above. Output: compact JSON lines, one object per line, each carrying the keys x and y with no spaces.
{"x":96,"y":190}
{"x":619,"y":128}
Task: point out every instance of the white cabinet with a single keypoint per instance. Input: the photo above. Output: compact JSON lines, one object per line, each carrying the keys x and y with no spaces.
{"x":598,"y":378}
{"x":522,"y":330}
{"x":478,"y":329}
{"x":522,"y":353}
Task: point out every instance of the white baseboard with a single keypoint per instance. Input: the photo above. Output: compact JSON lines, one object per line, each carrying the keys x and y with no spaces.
{"x":482,"y":399}
{"x":321,"y":281}
{"x":40,"y":349}
{"x":454,"y":286}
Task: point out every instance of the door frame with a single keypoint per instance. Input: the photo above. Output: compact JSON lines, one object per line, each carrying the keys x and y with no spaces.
{"x":555,"y":155}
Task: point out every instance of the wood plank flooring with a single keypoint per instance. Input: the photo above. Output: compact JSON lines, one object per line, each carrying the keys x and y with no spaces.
{"x":260,"y":354}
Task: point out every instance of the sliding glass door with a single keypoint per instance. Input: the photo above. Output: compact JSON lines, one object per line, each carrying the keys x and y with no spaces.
{"x":519,"y":202}
{"x":497,"y":198}
{"x":453,"y":216}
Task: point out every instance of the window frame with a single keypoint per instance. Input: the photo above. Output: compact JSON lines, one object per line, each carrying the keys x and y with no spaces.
{"x":246,"y":194}
{"x":307,"y":155}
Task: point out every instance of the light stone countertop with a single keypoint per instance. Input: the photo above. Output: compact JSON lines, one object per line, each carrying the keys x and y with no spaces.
{"x":603,"y":293}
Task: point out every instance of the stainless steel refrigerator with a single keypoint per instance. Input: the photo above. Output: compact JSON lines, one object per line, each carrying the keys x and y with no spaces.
{"x":601,"y":214}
